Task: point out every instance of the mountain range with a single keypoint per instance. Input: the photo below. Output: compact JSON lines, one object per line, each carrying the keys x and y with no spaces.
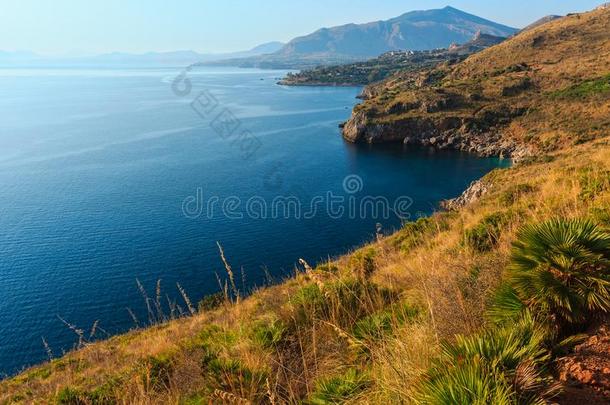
{"x":175,"y":58}
{"x":416,"y":30}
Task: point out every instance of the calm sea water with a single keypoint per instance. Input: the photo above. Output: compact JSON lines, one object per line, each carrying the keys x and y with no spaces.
{"x":98,"y":166}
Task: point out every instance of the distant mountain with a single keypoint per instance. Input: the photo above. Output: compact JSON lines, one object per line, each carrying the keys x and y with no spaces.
{"x":416,"y":30}
{"x":269,"y":47}
{"x":174,"y":58}
{"x":389,"y":63}
{"x":7,"y":57}
{"x":541,"y":21}
{"x":478,"y":43}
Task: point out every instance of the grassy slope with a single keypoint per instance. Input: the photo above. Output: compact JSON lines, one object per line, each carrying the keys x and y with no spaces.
{"x":381,"y":311}
{"x":533,"y":72}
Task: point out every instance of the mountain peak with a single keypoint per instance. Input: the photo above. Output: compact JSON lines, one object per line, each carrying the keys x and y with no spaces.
{"x":415,"y":30}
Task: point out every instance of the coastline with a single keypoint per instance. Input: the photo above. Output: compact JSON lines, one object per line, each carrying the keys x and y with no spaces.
{"x":318,"y":84}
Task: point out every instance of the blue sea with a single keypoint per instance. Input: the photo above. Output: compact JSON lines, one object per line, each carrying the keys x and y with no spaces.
{"x":110,"y":176}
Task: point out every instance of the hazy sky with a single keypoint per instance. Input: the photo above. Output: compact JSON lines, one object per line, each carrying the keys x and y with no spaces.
{"x":98,"y":26}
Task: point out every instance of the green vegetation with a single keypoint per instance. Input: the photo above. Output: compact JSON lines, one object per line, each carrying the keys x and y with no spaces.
{"x":269,"y":334}
{"x":561,"y":268}
{"x":560,"y":271}
{"x":211,"y":302}
{"x":512,"y":195}
{"x":412,"y":234}
{"x":341,"y":303}
{"x":336,"y":390}
{"x":504,"y":365}
{"x":585,"y":89}
{"x":156,"y":372}
{"x":231,"y":380}
{"x":484,"y":236}
{"x":371,"y":71}
{"x":99,"y":396}
{"x":593,"y":182}
{"x":384,"y":66}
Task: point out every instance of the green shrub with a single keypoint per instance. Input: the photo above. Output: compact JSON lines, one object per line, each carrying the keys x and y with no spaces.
{"x":341,"y":302}
{"x":70,"y":396}
{"x":512,"y":194}
{"x":504,"y":365}
{"x":506,"y":305}
{"x":268,"y":334}
{"x":584,"y":89}
{"x":307,"y":303}
{"x":232,"y":376}
{"x":213,"y":336}
{"x":339,"y":389}
{"x":562,"y":268}
{"x":102,"y":395}
{"x":412,"y":233}
{"x":327,"y":268}
{"x":196,"y":399}
{"x":226,"y":375}
{"x":601,"y":215}
{"x":382,"y":323}
{"x":157,"y":373}
{"x":362,"y":262}
{"x":530,"y":160}
{"x":105,"y":393}
{"x":593,"y":182}
{"x":211,"y":302}
{"x":470,"y":383}
{"x":485,"y":235}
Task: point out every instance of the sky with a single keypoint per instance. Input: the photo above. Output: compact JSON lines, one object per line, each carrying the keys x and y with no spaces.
{"x":87,"y":27}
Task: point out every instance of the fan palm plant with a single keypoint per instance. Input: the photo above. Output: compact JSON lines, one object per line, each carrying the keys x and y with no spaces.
{"x":562,"y":268}
{"x":503,"y":365}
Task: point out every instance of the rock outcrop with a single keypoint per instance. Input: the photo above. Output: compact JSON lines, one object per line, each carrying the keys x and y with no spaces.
{"x":472,"y":194}
{"x":477,"y":134}
{"x":586,"y":372}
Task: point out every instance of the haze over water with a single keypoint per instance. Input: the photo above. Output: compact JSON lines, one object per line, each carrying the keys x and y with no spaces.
{"x":96,"y":165}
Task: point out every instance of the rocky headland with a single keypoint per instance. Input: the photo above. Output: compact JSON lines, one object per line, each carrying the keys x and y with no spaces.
{"x":511,"y":100}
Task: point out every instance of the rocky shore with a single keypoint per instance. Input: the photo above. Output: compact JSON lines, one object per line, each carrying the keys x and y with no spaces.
{"x":472,"y":134}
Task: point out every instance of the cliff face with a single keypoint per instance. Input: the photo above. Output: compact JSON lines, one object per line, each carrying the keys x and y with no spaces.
{"x":478,"y":134}
{"x":513,"y":99}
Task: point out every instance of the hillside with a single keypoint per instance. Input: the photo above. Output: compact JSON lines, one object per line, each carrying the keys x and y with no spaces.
{"x":541,"y":21}
{"x":380,"y":68}
{"x":502,"y":298}
{"x":541,"y":90}
{"x":413,"y":31}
